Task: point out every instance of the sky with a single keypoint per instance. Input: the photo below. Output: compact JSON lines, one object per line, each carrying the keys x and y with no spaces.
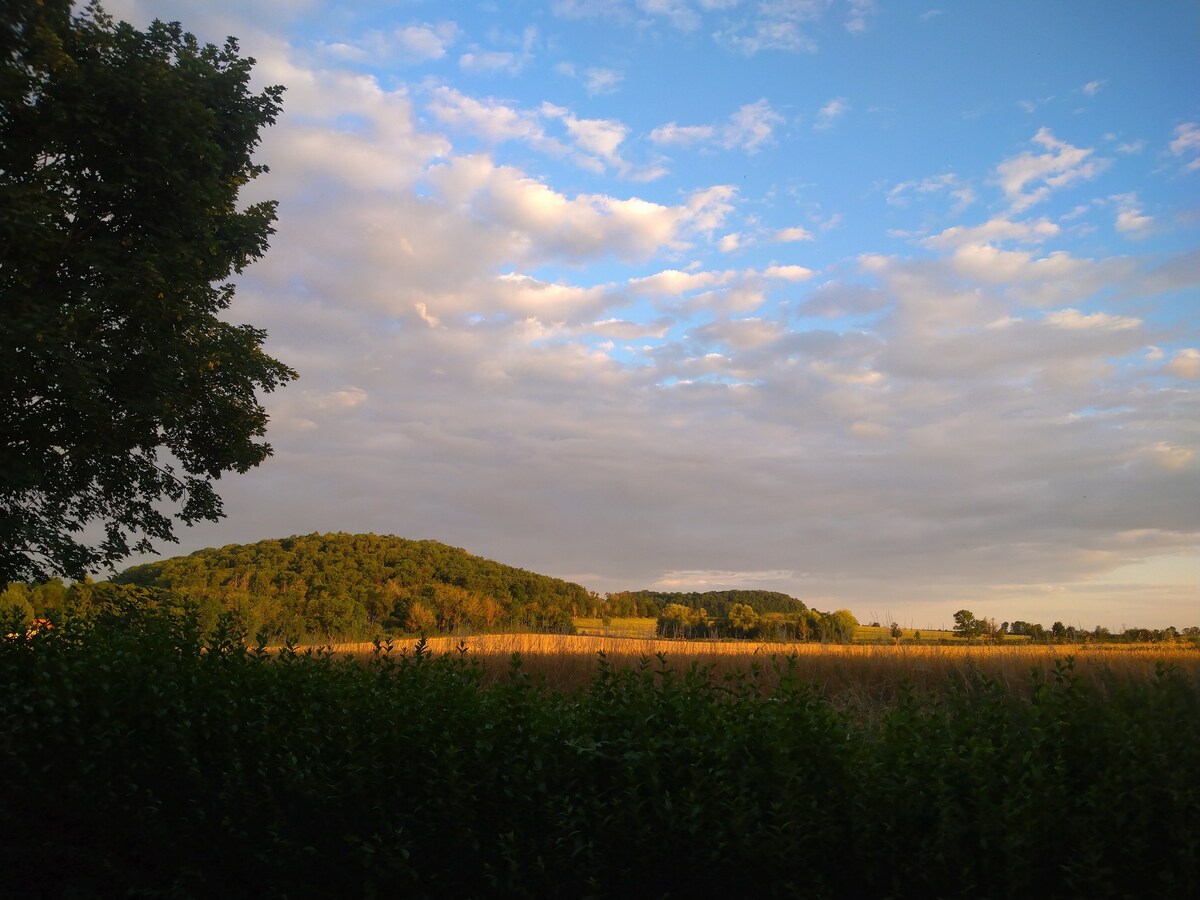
{"x":891,"y":306}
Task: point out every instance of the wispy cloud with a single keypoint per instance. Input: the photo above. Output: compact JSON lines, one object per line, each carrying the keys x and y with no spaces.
{"x":1028,"y":178}
{"x":830,"y":113}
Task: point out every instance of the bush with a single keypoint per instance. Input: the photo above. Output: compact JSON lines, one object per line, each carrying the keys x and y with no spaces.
{"x":140,"y":758}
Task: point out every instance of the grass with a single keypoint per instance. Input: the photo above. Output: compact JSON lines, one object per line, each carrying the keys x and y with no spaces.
{"x":143,"y":758}
{"x":865,"y":672}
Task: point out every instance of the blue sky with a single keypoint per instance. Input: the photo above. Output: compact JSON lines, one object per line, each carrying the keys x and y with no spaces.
{"x":890,"y":306}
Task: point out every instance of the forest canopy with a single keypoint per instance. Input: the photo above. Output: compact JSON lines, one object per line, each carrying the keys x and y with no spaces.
{"x":327,"y":585}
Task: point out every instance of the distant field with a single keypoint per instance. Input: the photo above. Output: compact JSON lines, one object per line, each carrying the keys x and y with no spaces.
{"x":645,"y":628}
{"x":626,"y":628}
{"x":864,"y":671}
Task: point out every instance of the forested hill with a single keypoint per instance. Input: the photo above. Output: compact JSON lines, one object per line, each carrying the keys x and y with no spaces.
{"x":341,"y":584}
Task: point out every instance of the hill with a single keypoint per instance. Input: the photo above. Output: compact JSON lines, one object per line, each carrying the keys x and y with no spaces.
{"x":324,"y":585}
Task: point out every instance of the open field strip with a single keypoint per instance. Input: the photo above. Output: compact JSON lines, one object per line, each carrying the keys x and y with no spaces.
{"x":873,"y":670}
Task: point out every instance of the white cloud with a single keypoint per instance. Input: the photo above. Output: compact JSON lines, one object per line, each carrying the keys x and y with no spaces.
{"x":751,"y":126}
{"x":602,"y":137}
{"x":673,"y":282}
{"x":1074,"y":320}
{"x":535,"y":222}
{"x":672,"y":133}
{"x":1130,"y":219}
{"x":794,"y":233}
{"x":730,"y":242}
{"x":421,"y":43}
{"x":677,"y":12}
{"x":777,"y":25}
{"x":1187,"y":140}
{"x":828,"y":114}
{"x":489,"y":119}
{"x":1061,"y":165}
{"x":1185,"y":364}
{"x":788,"y":273}
{"x":1092,"y":88}
{"x":994,"y":230}
{"x":747,"y":129}
{"x":1131,"y":148}
{"x":601,"y":81}
{"x":856,"y":17}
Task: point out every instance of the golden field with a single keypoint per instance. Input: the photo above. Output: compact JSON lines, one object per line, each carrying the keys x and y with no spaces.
{"x":864,"y":670}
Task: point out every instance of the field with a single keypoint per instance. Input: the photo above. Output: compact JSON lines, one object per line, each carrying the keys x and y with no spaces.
{"x":143,"y":757}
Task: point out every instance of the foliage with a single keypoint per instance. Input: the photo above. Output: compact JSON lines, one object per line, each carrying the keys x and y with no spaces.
{"x":141,"y":760}
{"x":123,"y":388}
{"x":342,"y":585}
{"x":631,"y":604}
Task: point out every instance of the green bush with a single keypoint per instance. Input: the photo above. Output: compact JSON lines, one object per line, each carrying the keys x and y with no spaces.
{"x":142,"y":759}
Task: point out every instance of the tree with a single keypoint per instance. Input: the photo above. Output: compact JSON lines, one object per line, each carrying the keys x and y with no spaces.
{"x":123,"y":392}
{"x":838,"y":626}
{"x":967,"y":625}
{"x":742,"y":620}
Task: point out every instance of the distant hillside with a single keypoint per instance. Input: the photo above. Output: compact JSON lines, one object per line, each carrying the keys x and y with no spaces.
{"x":341,"y":584}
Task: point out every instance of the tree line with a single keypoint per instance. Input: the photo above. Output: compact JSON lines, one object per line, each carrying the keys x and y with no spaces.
{"x":967,"y":625}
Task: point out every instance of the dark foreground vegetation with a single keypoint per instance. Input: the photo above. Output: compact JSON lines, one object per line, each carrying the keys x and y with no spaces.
{"x":141,"y":759}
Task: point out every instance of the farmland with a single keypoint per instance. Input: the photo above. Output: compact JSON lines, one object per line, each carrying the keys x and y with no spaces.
{"x":173,"y":762}
{"x":568,"y":662}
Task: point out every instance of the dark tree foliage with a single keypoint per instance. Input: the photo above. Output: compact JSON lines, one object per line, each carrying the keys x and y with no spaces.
{"x":123,"y":392}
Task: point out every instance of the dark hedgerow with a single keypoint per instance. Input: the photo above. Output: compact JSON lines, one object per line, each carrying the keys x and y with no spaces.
{"x":142,"y":760}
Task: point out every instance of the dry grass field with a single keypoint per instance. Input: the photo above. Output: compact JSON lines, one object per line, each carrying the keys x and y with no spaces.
{"x":860,"y":673}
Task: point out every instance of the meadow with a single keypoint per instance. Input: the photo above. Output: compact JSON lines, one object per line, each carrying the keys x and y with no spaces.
{"x":843,"y":672}
{"x":146,"y":757}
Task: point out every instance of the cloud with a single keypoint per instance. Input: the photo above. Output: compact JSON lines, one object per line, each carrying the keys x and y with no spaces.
{"x":828,"y":114}
{"x":788,"y":273}
{"x":856,"y":17}
{"x":794,"y":233}
{"x":751,"y":126}
{"x":776,"y":25}
{"x":489,"y":119}
{"x":1060,"y":166}
{"x":421,"y":43}
{"x":1132,"y":147}
{"x":672,"y":133}
{"x":1185,"y":142}
{"x":1092,"y":88}
{"x":601,"y":81}
{"x":996,"y":230}
{"x":1130,"y":220}
{"x":948,"y":183}
{"x":747,"y":129}
{"x":538,"y":222}
{"x":1185,"y":364}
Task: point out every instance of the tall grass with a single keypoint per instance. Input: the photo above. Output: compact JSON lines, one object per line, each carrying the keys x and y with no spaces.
{"x":863,"y":671}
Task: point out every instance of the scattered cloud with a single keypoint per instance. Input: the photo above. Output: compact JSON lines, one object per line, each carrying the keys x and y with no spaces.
{"x":1029,"y":178}
{"x":996,"y":230}
{"x":1185,"y":364}
{"x":1092,"y":88}
{"x":828,"y":114}
{"x":601,"y":81}
{"x":949,"y":184}
{"x":794,"y":233}
{"x":1187,"y":142}
{"x":858,"y":14}
{"x":747,"y":129}
{"x":1130,"y":220}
